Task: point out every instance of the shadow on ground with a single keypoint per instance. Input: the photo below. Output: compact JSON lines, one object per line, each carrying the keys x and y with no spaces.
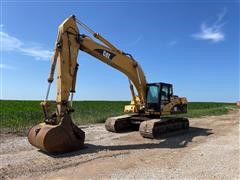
{"x":176,"y":141}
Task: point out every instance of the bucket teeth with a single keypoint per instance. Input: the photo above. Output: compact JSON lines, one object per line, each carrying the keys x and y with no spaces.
{"x":61,"y":138}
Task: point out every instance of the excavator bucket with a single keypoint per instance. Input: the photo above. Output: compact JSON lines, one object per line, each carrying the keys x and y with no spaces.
{"x":54,"y":139}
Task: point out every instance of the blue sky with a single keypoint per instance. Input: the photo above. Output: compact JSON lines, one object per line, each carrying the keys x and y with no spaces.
{"x":193,"y":45}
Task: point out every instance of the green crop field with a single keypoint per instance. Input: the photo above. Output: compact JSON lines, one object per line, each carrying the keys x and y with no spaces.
{"x":17,"y":115}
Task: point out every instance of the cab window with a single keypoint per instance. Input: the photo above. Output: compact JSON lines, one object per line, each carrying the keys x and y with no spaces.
{"x":164,"y":93}
{"x":153,"y":94}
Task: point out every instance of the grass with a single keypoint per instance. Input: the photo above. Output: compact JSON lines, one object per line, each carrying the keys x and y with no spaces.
{"x":18,"y":115}
{"x":23,"y":114}
{"x":198,"y":109}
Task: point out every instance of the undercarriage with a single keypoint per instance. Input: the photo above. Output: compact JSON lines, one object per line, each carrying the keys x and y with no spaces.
{"x":148,"y":126}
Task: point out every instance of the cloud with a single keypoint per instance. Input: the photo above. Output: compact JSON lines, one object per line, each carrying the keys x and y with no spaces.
{"x":37,"y":53}
{"x":172,"y":43}
{"x":136,"y":41}
{"x":10,"y":43}
{"x":4,"y":66}
{"x":213,"y":32}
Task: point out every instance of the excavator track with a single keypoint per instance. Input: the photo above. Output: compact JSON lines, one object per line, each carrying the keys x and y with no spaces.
{"x":157,"y":128}
{"x":119,"y":123}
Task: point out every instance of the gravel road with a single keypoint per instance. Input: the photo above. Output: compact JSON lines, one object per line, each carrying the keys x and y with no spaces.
{"x":208,"y":150}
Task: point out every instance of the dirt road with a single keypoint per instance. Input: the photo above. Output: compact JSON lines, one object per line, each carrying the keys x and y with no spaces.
{"x":209,"y":150}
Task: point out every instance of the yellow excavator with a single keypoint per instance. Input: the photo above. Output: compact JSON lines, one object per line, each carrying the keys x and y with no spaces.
{"x":150,"y":110}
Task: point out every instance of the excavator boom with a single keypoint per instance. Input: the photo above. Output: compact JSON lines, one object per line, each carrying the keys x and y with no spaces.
{"x":68,"y":44}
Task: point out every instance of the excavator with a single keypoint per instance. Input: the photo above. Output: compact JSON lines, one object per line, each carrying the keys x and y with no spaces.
{"x":152,"y":110}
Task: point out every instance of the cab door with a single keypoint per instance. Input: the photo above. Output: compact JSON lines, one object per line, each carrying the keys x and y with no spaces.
{"x":153,"y":97}
{"x":165,"y":94}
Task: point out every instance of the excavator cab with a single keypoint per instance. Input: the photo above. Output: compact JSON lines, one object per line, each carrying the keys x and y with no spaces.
{"x":158,"y":94}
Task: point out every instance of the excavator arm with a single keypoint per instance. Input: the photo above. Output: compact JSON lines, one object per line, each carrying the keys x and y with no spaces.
{"x":68,"y":44}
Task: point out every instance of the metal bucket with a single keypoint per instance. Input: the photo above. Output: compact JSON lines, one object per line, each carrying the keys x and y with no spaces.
{"x":61,"y":138}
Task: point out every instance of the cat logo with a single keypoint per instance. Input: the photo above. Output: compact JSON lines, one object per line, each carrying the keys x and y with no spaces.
{"x":105,"y":53}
